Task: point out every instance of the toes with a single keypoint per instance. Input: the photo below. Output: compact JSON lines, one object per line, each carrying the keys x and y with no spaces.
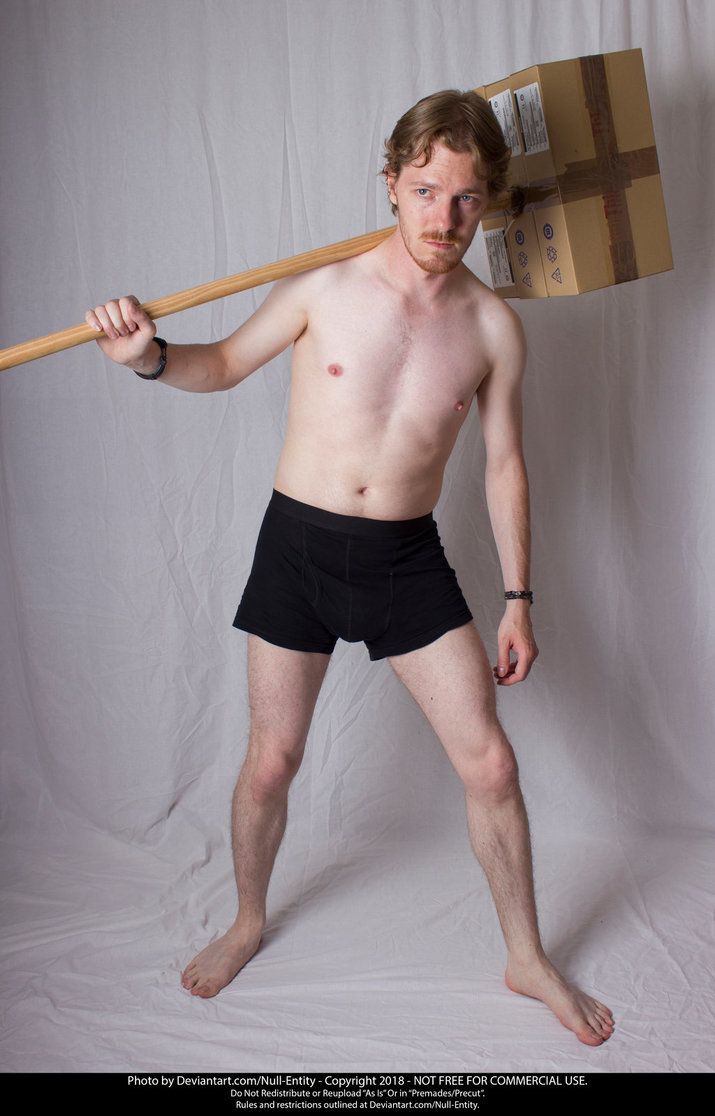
{"x":607,"y":1010}
{"x":605,"y":1027}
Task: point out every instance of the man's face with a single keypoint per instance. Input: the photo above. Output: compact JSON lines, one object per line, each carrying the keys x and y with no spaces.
{"x":439,"y":207}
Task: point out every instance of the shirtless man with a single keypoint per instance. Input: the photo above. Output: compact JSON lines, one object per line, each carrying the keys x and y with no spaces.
{"x":389,"y":347}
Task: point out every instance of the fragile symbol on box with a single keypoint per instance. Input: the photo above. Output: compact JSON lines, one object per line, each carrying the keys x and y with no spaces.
{"x":557,"y":275}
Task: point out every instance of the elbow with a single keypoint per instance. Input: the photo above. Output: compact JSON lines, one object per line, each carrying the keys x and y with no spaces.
{"x":225,"y":374}
{"x":218,"y":375}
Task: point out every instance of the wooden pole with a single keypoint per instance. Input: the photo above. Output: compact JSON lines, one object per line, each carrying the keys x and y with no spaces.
{"x":194,"y":296}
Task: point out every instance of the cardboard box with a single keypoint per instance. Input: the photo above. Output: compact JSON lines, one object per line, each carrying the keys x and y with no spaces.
{"x":590,"y":181}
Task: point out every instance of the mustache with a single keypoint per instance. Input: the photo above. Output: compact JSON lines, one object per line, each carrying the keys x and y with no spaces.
{"x":441,"y":239}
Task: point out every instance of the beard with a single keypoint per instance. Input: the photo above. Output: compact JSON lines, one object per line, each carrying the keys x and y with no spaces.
{"x":434,"y":260}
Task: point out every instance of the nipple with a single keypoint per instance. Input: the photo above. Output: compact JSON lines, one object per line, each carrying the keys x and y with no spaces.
{"x":335,"y":370}
{"x":459,"y":405}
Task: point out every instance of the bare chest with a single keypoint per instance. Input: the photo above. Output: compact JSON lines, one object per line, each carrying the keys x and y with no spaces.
{"x":371,"y":362}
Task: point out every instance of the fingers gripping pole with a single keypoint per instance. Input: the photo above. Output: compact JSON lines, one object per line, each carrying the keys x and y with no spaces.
{"x":195,"y":296}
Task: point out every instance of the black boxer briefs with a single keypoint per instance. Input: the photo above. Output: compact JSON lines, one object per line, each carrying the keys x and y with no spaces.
{"x":318,"y":576}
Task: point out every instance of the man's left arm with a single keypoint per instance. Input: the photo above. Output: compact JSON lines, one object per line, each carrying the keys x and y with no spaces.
{"x":507,"y":485}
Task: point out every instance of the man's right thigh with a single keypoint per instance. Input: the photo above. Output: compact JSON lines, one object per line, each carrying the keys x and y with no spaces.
{"x":283,"y":688}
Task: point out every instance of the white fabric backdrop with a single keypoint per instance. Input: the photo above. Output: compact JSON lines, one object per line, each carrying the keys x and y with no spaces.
{"x":150,"y":146}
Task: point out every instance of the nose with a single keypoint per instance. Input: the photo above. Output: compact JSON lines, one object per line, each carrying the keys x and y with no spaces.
{"x":445,"y":214}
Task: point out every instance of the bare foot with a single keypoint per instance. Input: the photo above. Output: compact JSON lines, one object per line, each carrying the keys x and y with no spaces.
{"x":591,"y":1020}
{"x":217,"y":964}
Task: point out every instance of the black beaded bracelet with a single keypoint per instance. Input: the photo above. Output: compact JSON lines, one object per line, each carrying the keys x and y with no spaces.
{"x":162,"y":362}
{"x":516,"y":594}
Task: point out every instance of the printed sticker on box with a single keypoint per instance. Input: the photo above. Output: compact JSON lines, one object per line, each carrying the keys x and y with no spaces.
{"x":533,"y":122}
{"x":498,"y":258}
{"x":503,"y":108}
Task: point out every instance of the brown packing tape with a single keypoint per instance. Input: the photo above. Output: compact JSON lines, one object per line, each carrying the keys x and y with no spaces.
{"x":611,"y":169}
{"x":585,"y":180}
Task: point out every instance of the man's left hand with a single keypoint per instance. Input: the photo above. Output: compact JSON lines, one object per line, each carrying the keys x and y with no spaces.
{"x":515,"y":633}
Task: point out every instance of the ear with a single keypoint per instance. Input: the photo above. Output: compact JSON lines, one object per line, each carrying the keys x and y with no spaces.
{"x":391,"y":179}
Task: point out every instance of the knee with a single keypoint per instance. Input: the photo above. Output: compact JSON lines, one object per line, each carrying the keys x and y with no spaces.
{"x":491,"y":770}
{"x":272,"y":767}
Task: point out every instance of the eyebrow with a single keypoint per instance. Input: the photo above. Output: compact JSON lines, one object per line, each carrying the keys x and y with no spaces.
{"x":467,"y":190}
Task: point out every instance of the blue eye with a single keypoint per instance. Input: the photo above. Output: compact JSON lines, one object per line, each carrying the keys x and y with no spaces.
{"x":419,"y":188}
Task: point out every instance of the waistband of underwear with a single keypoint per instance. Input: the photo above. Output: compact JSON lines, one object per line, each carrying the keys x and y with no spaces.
{"x":351,"y":524}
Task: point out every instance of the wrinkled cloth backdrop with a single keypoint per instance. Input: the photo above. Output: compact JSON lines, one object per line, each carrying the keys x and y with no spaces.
{"x":149,"y":147}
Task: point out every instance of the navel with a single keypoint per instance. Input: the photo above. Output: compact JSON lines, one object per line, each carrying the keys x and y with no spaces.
{"x":458,"y":406}
{"x":335,"y":370}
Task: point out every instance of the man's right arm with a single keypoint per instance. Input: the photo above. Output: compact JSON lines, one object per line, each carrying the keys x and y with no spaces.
{"x":276,"y":324}
{"x":219,"y":365}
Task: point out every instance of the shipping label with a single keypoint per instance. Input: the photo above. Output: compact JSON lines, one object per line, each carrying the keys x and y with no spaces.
{"x":498,"y":258}
{"x":531,"y":115}
{"x":503,"y":108}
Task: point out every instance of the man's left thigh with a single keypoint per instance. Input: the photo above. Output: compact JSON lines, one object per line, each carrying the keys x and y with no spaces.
{"x":451,"y":680}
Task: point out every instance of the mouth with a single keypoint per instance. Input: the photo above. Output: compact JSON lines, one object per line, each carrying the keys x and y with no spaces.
{"x":441,"y":244}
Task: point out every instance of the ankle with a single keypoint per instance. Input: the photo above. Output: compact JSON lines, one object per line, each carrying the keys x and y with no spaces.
{"x":527,"y":957}
{"x":250,"y":922}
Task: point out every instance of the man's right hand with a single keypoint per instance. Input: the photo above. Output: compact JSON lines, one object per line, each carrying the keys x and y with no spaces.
{"x":129,"y":331}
